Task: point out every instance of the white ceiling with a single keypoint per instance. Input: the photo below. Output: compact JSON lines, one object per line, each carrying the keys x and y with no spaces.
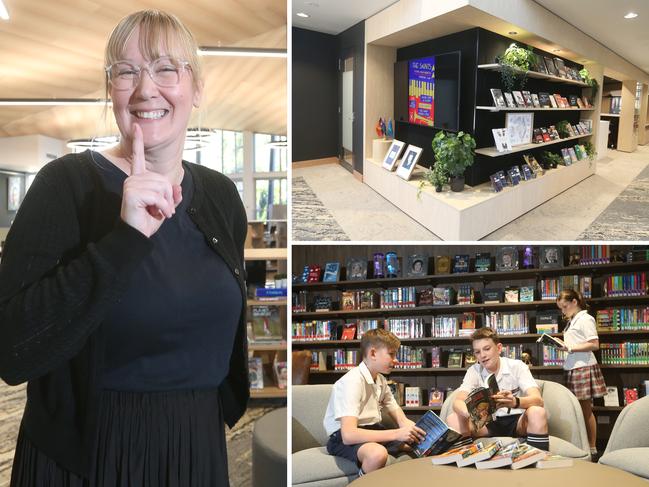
{"x":54,"y":49}
{"x":335,"y":16}
{"x":604,"y":21}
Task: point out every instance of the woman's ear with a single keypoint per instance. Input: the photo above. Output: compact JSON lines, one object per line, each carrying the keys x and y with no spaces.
{"x":198,"y":94}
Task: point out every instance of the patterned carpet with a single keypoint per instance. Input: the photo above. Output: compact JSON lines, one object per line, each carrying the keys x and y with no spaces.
{"x":12,"y":401}
{"x":627,"y":217}
{"x":311,"y":220}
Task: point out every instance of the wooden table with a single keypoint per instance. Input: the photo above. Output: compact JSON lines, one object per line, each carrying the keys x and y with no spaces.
{"x":422,"y":472}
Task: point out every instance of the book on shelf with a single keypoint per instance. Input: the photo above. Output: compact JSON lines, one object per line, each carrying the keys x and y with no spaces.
{"x":535,"y":100}
{"x":502,"y":458}
{"x":398,"y":390}
{"x":436,"y":398}
{"x":439,"y":436}
{"x":492,"y":295}
{"x":565,"y":155}
{"x":537,"y":136}
{"x":280,"y":369}
{"x":512,"y":295}
{"x":527,"y":98}
{"x":526,"y":455}
{"x":561,"y":67}
{"x":256,"y":373}
{"x":348,"y":332}
{"x":611,"y":399}
{"x":509,"y":99}
{"x":572,"y":101}
{"x":478,"y":453}
{"x":499,"y":100}
{"x":550,"y":328}
{"x":501,"y":139}
{"x":526,"y":294}
{"x":549,"y":64}
{"x":481,"y":405}
{"x":544,"y":99}
{"x":270,"y":293}
{"x":518,"y":97}
{"x":266,"y":324}
{"x":545,"y":134}
{"x":554,"y":461}
{"x":630,"y":395}
{"x":413,"y":396}
{"x":553,"y":101}
{"x":546,"y":339}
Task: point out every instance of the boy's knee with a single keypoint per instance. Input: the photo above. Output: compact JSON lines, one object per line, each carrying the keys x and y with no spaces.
{"x":373,"y":456}
{"x":537,"y":415}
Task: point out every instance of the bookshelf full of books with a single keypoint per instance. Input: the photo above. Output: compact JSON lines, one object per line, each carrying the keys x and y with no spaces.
{"x":435,"y":312}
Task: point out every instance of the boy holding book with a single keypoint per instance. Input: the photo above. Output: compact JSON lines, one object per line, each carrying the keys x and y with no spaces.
{"x":353,"y":417}
{"x":520,"y":405}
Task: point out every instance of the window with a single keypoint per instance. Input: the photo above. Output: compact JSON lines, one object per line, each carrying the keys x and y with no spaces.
{"x":270,"y":153}
{"x":269,"y":175}
{"x":269,"y":192}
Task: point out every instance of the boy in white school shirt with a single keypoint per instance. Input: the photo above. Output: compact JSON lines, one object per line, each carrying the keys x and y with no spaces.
{"x":353,"y":417}
{"x":520,"y":405}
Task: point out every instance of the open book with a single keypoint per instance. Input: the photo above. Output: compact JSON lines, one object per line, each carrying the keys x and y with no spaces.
{"x":546,"y":339}
{"x":480,"y":405}
{"x":439,"y":437}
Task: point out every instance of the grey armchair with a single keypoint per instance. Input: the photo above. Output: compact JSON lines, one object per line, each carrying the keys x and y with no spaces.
{"x":566,"y":424}
{"x":628,"y":446}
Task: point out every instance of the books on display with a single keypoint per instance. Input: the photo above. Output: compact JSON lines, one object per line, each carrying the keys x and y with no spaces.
{"x":499,"y":100}
{"x":502,"y":458}
{"x":526,"y":455}
{"x":450,"y":456}
{"x":439,"y":437}
{"x":481,"y":405}
{"x":509,"y":99}
{"x":413,"y":397}
{"x":479,"y":453}
{"x":554,"y":461}
{"x":612,"y":397}
{"x":518,"y":96}
{"x":501,"y":139}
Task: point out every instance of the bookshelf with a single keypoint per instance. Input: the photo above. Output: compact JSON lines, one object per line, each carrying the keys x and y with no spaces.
{"x":535,"y":74}
{"x":427,"y":377}
{"x":268,"y":351}
{"x":493,"y":152}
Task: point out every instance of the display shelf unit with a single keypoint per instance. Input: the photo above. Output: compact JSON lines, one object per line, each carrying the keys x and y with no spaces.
{"x":267,"y":351}
{"x":622,"y":375}
{"x":493,"y":152}
{"x":529,"y":109}
{"x":535,"y":74}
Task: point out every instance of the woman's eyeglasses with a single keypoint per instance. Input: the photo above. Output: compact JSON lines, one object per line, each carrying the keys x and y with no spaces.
{"x":164,"y":72}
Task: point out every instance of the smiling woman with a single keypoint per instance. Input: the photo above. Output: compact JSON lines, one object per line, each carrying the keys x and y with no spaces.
{"x":122,"y":293}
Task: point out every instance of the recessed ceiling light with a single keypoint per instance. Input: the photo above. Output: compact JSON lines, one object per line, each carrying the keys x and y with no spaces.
{"x":631,"y":15}
{"x":303,"y":15}
{"x":512,"y":33}
{"x":4,"y":15}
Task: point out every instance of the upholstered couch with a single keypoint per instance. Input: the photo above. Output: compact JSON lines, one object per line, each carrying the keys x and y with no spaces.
{"x":566,"y":424}
{"x":628,"y":446}
{"x":313,"y":467}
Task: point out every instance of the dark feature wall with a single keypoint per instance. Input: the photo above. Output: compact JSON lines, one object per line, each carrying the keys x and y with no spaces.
{"x":314,"y":95}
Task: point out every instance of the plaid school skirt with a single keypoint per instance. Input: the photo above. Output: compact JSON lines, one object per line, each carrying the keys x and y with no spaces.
{"x":586,"y":382}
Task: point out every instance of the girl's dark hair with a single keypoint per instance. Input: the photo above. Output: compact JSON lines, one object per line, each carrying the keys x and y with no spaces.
{"x":570,"y":294}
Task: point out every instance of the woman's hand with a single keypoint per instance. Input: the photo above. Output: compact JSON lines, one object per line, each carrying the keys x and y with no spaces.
{"x":148,"y":197}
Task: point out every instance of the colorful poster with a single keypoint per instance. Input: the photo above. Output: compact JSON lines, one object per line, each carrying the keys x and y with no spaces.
{"x":421,"y":91}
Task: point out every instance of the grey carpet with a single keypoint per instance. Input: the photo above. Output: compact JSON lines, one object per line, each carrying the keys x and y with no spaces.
{"x":627,"y":217}
{"x":239,"y":439}
{"x":311,"y":220}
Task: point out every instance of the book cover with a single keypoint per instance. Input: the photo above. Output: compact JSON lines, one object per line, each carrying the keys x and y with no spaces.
{"x":566,"y":156}
{"x":527,"y":172}
{"x":413,"y":396}
{"x":514,"y":176}
{"x":492,"y":295}
{"x":561,"y":67}
{"x":537,"y":136}
{"x":573,"y":154}
{"x":630,"y":395}
{"x":544,"y":99}
{"x":511,"y":295}
{"x":256,"y":373}
{"x":266,"y":323}
{"x":554,"y":461}
{"x":546,"y":339}
{"x":572,"y":101}
{"x":509,"y":99}
{"x":612,"y":397}
{"x":349,"y":332}
{"x":526,"y":455}
{"x":331,"y":272}
{"x":518,"y":96}
{"x":553,"y":101}
{"x":501,"y":139}
{"x":502,"y":458}
{"x":436,"y":398}
{"x":527,"y":98}
{"x":483,"y":262}
{"x":480,"y":404}
{"x":496,"y":184}
{"x":526,"y":294}
{"x":535,"y":100}
{"x":545,"y":134}
{"x":450,"y":456}
{"x":499,"y":100}
{"x":439,"y":437}
{"x":549,"y":64}
{"x":482,"y":453}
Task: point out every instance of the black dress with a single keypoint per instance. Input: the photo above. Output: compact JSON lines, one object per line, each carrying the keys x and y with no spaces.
{"x":168,"y":345}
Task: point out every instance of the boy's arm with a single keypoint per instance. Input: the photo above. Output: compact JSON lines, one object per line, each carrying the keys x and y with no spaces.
{"x":459,"y":406}
{"x":351,"y":434}
{"x":400,"y":417}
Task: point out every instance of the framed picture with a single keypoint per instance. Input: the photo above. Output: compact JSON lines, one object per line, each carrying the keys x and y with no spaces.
{"x":417,"y":265}
{"x":455,"y":360}
{"x":507,"y":259}
{"x":391,"y":157}
{"x":331,"y":272}
{"x":550,"y":256}
{"x":14,"y":193}
{"x":409,"y":161}
{"x":520,"y":126}
{"x":356,"y":269}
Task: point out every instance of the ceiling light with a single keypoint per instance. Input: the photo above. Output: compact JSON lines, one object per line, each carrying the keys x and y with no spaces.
{"x":197,"y":138}
{"x":25,"y":102}
{"x":631,"y":15}
{"x":240,"y":51}
{"x":103,"y":142}
{"x":512,"y":33}
{"x":4,"y":15}
{"x":303,"y":15}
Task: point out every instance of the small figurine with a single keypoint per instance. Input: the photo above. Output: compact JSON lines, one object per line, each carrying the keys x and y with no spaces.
{"x":390,"y":131}
{"x":379,"y":127}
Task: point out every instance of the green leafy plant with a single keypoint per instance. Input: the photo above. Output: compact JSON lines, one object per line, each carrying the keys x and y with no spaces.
{"x":551,"y":159}
{"x":436,"y":176}
{"x":454,"y":151}
{"x":592,"y":82}
{"x":590,"y":150}
{"x":515,"y":62}
{"x":562,"y":129}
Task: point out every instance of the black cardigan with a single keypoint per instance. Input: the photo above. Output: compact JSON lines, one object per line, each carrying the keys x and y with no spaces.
{"x":66,"y":261}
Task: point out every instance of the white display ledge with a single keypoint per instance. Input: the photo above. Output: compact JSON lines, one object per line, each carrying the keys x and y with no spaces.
{"x":493,"y":152}
{"x":529,"y":109}
{"x":474,"y":212}
{"x":536,"y":74}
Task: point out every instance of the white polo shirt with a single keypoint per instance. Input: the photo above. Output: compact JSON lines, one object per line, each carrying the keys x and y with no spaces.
{"x":513,"y":375}
{"x":356,"y":394}
{"x":580,"y":330}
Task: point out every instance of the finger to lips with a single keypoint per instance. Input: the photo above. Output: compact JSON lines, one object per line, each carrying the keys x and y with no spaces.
{"x":138,"y":165}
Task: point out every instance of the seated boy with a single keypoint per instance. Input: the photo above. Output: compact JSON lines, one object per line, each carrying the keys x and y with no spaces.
{"x":520,"y":404}
{"x":353,"y":415}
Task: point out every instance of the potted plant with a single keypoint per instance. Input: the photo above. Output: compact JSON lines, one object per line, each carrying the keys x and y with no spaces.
{"x":592,"y":82}
{"x":515,"y":62}
{"x":590,"y":150}
{"x":436,"y":176}
{"x":551,"y":160}
{"x":562,"y":129}
{"x":455,"y":153}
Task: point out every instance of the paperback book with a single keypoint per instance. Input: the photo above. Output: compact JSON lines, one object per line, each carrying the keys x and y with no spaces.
{"x":554,"y":461}
{"x":478,"y":453}
{"x":501,"y":138}
{"x":509,"y":99}
{"x":499,"y":100}
{"x":526,"y":455}
{"x":518,"y":96}
{"x":450,"y":456}
{"x":502,"y":458}
{"x":439,"y":437}
{"x":546,"y":339}
{"x":480,"y":404}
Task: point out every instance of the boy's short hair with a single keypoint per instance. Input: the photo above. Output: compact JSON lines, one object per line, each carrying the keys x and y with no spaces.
{"x":379,"y":337}
{"x":485,"y":332}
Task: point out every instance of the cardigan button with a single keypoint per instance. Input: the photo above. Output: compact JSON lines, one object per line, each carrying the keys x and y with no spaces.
{"x":192,"y":211}
{"x":236,"y":271}
{"x":215,"y":240}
